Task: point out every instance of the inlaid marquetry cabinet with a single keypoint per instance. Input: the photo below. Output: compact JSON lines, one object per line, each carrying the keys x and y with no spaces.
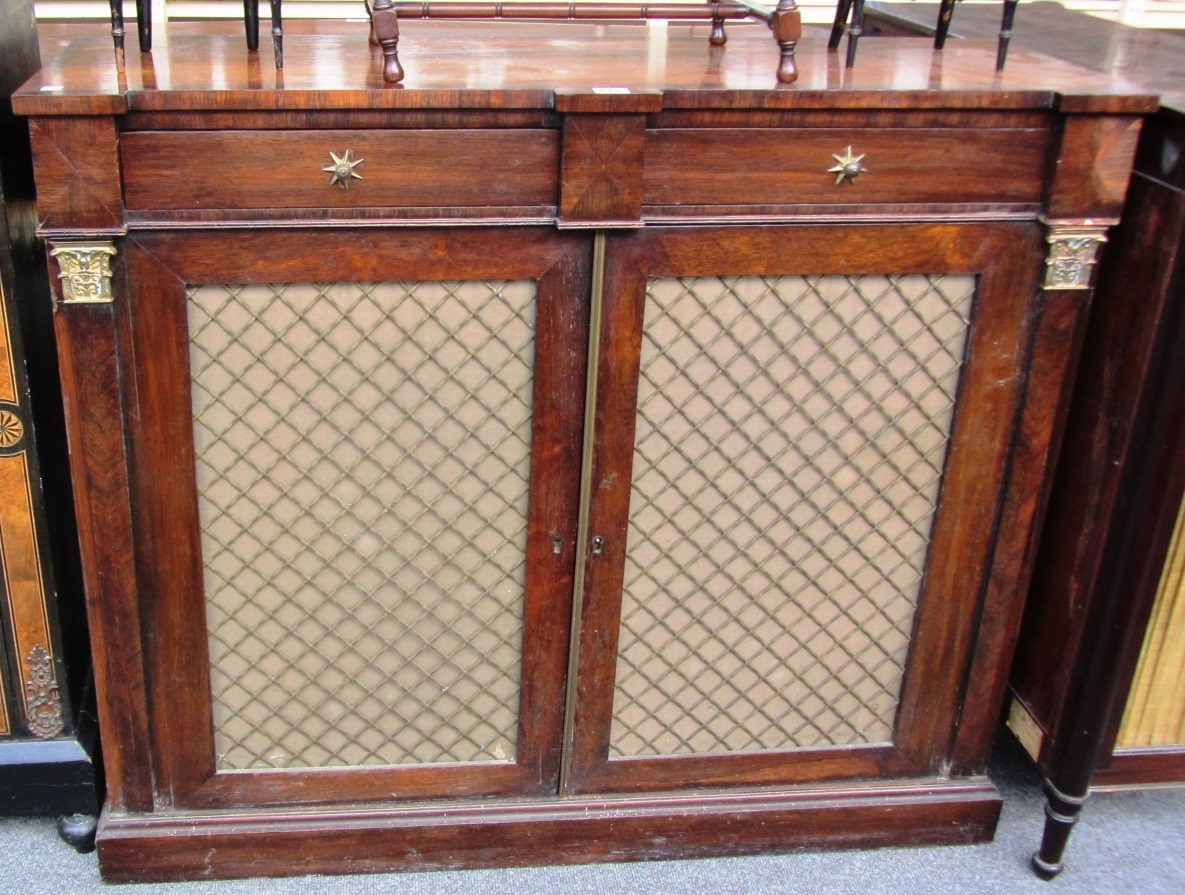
{"x":586,"y":451}
{"x":47,"y":726}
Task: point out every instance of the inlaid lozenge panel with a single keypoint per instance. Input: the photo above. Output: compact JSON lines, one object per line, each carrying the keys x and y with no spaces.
{"x":362,"y":470}
{"x":791,"y":437}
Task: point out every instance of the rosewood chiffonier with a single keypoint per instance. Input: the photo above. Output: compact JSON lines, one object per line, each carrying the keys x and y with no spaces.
{"x":588,"y":449}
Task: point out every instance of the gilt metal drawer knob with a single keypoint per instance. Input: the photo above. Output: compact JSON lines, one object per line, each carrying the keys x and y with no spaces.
{"x":847,"y":167}
{"x":341,"y":169}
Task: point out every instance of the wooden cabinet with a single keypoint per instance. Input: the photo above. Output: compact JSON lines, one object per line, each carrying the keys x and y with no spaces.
{"x":608,"y":471}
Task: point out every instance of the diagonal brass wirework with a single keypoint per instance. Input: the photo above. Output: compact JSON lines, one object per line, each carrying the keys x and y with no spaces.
{"x":363,"y":463}
{"x":791,"y":437}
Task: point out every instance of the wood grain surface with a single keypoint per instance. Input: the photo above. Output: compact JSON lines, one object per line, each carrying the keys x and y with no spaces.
{"x":513,"y":66}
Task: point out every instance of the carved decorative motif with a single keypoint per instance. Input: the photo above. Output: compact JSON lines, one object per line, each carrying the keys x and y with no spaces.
{"x":86,"y":271}
{"x":43,"y":702}
{"x":12,"y":430}
{"x":1073,"y":252}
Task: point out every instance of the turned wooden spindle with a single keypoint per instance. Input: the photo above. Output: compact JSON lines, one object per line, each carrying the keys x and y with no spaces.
{"x":277,"y":33}
{"x":143,"y":29}
{"x":842,"y":9}
{"x":117,"y":32}
{"x":251,"y":23}
{"x":1005,"y":33}
{"x":384,"y":25}
{"x":786,"y":23}
{"x":855,"y":31}
{"x":946,"y":10}
{"x":144,"y":24}
{"x":717,"y":38}
{"x":1061,"y":813}
{"x":251,"y":26}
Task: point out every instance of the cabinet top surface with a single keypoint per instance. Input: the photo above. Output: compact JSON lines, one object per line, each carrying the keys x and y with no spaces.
{"x":330,"y":65}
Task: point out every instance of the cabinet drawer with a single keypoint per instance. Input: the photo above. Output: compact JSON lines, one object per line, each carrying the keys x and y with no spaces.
{"x":763,"y":167}
{"x":283,"y":169}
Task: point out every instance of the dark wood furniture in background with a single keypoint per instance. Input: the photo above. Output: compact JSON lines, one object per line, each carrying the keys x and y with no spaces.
{"x":144,"y":28}
{"x":1105,"y":551}
{"x":46,"y":741}
{"x":515,"y":467}
{"x":877,"y":21}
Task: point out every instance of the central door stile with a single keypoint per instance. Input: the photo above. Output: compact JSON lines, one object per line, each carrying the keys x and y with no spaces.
{"x":583,"y":536}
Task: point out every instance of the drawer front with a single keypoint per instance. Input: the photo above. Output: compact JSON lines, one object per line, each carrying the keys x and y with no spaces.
{"x":284,"y":169}
{"x":790,"y":166}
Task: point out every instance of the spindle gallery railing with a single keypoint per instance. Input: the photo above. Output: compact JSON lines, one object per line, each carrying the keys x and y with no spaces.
{"x":784,"y":20}
{"x":144,"y":28}
{"x":849,"y":15}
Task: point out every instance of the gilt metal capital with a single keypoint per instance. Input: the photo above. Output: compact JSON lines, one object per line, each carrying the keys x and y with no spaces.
{"x":85,"y":271}
{"x":1073,"y":253}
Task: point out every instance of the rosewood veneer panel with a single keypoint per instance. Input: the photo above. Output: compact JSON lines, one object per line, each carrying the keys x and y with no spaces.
{"x":277,"y":169}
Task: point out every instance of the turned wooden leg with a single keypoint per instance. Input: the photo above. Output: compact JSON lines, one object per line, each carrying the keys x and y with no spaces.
{"x":786,"y":23}
{"x":144,"y":24}
{"x":1005,"y":33}
{"x":117,"y":32}
{"x":842,"y":8}
{"x":717,"y":38}
{"x":855,"y":30}
{"x":1061,"y":813}
{"x":385,"y":24}
{"x":251,"y":23}
{"x":278,"y":33}
{"x":946,"y":9}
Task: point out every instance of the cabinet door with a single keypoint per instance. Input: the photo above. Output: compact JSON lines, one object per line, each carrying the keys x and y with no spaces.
{"x":356,"y":461}
{"x":802,"y":434}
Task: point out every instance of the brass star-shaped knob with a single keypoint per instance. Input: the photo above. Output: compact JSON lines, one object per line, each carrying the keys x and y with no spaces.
{"x":848,"y":167}
{"x":341,"y":171}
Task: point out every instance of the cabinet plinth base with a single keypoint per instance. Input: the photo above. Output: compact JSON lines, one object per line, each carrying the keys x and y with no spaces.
{"x":290,"y":842}
{"x":1141,"y":766}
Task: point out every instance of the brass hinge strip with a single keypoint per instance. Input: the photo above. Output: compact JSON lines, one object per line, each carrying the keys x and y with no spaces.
{"x":596,"y":301}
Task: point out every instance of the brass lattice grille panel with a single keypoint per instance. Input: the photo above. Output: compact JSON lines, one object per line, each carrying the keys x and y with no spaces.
{"x":362,"y":469}
{"x":791,"y":435}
